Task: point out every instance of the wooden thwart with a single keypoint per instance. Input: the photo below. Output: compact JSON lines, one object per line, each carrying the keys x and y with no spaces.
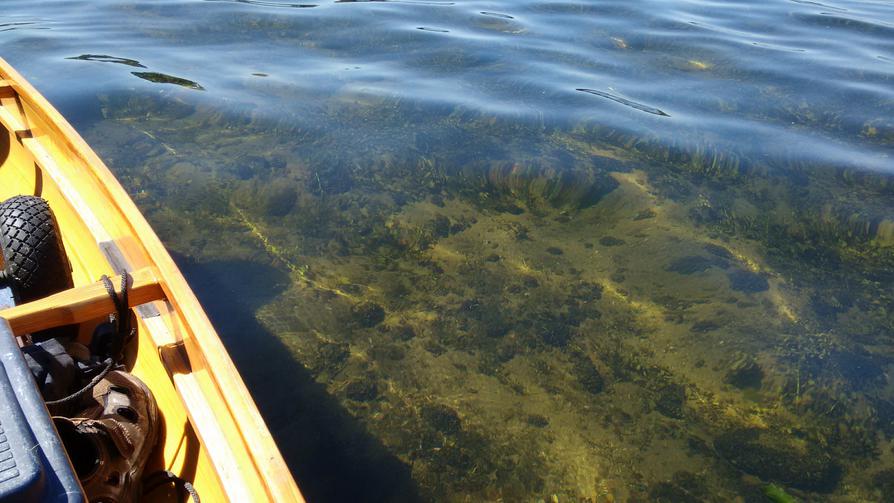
{"x":12,"y":123}
{"x":81,"y":304}
{"x":6,"y":89}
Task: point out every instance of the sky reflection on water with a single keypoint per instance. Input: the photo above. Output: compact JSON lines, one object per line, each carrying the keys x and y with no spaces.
{"x":613,"y":251}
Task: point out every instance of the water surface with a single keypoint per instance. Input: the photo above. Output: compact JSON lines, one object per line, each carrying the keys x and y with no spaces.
{"x":519,"y":250}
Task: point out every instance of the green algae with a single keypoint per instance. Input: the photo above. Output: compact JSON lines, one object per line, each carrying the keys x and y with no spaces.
{"x":777,"y":494}
{"x":507,"y":329}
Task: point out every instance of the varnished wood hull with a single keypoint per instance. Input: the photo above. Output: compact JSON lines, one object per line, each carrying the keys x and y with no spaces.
{"x":213,"y":433}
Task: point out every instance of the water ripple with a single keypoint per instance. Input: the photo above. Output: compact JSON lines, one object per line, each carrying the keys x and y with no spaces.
{"x":497,"y":14}
{"x":108,"y":59}
{"x":162,"y":78}
{"x":755,"y":66}
{"x":624,"y":101}
{"x":21,"y":25}
{"x":269,"y":3}
{"x":473,"y":173}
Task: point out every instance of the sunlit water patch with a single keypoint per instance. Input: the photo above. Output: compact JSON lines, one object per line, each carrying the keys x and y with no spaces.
{"x":520,"y":251}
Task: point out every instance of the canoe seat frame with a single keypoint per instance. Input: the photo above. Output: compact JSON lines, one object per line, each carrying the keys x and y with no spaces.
{"x":194,"y":362}
{"x":81,"y":304}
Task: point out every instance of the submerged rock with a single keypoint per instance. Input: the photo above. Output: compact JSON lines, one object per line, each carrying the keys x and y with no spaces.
{"x":403,"y":332}
{"x":329,"y":357}
{"x":669,"y":492}
{"x":537,"y":421}
{"x":775,"y":457}
{"x":552,"y":331}
{"x":279,"y":200}
{"x":247,"y":167}
{"x":748,"y":282}
{"x":586,"y":291}
{"x":274,"y":199}
{"x":439,"y":226}
{"x":884,"y":482}
{"x":368,"y":314}
{"x":719,"y":251}
{"x":530,"y":282}
{"x":828,"y":305}
{"x":744,"y":373}
{"x":362,"y":391}
{"x":690,"y":265}
{"x":860,"y":367}
{"x":587,"y":374}
{"x":669,"y":400}
{"x":611,"y":241}
{"x":683,"y":487}
{"x":442,"y":418}
{"x":704,"y":326}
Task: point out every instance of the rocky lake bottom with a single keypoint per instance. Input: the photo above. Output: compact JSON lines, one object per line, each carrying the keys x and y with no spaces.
{"x":519,"y":251}
{"x":455,"y":319}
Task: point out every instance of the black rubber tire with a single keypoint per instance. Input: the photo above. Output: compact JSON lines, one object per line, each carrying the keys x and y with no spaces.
{"x":32,"y":250}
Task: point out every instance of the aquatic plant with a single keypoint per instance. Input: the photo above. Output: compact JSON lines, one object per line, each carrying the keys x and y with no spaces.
{"x":777,"y":494}
{"x":457,"y":301}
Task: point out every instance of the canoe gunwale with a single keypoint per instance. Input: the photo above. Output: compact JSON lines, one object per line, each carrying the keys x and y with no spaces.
{"x":201,"y":345}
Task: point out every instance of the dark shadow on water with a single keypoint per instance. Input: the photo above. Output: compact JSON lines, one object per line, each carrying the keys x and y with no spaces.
{"x":330,"y":453}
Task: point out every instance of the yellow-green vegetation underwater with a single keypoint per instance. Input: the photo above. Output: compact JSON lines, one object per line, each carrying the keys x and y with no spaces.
{"x":479,"y":309}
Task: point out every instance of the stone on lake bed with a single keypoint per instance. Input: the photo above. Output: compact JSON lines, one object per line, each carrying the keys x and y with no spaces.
{"x":774,"y":456}
{"x":553,"y":332}
{"x":442,"y":418}
{"x":362,"y":391}
{"x":368,"y":314}
{"x":748,"y":282}
{"x":669,"y":400}
{"x":587,"y":374}
{"x":248,"y":166}
{"x":744,"y":373}
{"x":690,"y":264}
{"x":704,"y":326}
{"x":279,"y":200}
{"x":403,"y":332}
{"x":439,"y":226}
{"x":719,"y":251}
{"x":586,"y":291}
{"x":611,"y":241}
{"x":530,"y":282}
{"x":537,"y":421}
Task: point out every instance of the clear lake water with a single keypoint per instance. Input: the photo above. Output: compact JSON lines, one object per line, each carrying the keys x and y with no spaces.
{"x":529,"y":250}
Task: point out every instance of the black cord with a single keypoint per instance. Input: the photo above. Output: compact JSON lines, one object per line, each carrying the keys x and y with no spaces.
{"x":109,"y":363}
{"x":124,"y":331}
{"x":120,"y":300}
{"x":124,"y":306}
